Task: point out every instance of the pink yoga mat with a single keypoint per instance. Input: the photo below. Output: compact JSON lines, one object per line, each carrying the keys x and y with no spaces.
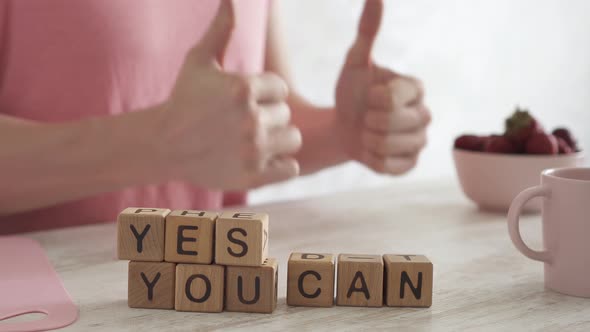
{"x":29,"y":284}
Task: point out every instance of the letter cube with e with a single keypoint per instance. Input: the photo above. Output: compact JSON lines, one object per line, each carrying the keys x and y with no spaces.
{"x":189,"y":236}
{"x":199,"y":287}
{"x":360,"y":280}
{"x":252,"y":288}
{"x":310,"y":280}
{"x":241,"y":238}
{"x":408,"y":281}
{"x":140,"y":234}
{"x":151,"y":285}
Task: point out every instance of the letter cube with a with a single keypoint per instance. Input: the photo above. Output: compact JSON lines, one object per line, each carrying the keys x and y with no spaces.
{"x":360,"y":280}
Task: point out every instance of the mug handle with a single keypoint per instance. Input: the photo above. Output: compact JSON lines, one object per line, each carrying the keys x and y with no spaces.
{"x":514,"y":227}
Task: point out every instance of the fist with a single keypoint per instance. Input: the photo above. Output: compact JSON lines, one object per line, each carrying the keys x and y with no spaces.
{"x":227,"y":131}
{"x":380,"y":115}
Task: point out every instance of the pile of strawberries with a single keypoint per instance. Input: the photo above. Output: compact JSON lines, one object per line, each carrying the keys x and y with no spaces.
{"x":523,"y":135}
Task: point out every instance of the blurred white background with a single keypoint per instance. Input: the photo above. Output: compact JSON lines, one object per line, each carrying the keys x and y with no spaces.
{"x":478,"y":59}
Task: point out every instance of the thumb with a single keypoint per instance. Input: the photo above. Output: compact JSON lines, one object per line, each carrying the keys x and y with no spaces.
{"x":216,"y":39}
{"x":360,"y":52}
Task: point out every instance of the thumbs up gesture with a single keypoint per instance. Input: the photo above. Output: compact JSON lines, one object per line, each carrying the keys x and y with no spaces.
{"x":221,"y":130}
{"x":380,"y":115}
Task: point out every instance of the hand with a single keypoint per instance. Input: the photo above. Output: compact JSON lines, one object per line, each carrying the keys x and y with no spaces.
{"x":380,"y":115}
{"x":226,"y":131}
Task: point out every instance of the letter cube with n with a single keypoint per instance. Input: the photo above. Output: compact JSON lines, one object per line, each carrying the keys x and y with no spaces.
{"x":360,"y":280}
{"x":408,"y":281}
{"x":140,"y":234}
{"x":310,"y":280}
{"x":241,"y":238}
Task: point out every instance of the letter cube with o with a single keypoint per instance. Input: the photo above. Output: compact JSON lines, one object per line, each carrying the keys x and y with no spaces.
{"x":310,"y":280}
{"x":140,"y":234}
{"x":199,"y":287}
{"x":241,"y":238}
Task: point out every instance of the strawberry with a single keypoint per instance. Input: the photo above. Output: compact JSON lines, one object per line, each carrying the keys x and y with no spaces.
{"x":539,"y":143}
{"x":567,"y":136}
{"x":500,"y":144}
{"x":520,"y":126}
{"x":563,"y":147}
{"x":470,"y":142}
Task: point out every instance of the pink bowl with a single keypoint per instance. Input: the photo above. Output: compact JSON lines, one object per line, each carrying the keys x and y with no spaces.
{"x":492,"y":180}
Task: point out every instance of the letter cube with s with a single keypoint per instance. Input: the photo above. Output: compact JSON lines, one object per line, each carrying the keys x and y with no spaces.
{"x":241,"y":238}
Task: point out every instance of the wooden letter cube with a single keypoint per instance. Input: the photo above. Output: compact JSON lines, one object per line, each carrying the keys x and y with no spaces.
{"x":151,"y":285}
{"x":408,"y":281}
{"x":140,"y":234}
{"x":241,"y":238}
{"x":199,"y":287}
{"x":360,"y":280}
{"x":189,"y":236}
{"x":252,"y":289}
{"x":310,"y":280}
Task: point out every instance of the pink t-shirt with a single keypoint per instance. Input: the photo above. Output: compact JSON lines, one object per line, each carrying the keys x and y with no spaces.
{"x":64,"y":60}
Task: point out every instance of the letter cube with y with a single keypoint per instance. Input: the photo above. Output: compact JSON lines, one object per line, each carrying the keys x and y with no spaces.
{"x":241,"y":238}
{"x":189,"y":236}
{"x":151,"y":285}
{"x":310,"y":280}
{"x":199,"y":287}
{"x":408,"y":281}
{"x":252,"y":288}
{"x":140,"y":234}
{"x":360,"y":280}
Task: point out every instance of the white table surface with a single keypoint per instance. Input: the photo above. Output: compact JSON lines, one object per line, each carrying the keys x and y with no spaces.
{"x":481,"y":282}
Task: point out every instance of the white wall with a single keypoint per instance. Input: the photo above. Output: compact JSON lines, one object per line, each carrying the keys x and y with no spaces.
{"x":477,"y":60}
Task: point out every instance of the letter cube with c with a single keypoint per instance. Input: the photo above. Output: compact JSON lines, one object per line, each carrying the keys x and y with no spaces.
{"x":310,"y":280}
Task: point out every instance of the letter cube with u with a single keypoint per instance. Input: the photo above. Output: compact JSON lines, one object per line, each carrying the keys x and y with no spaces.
{"x":252,"y":288}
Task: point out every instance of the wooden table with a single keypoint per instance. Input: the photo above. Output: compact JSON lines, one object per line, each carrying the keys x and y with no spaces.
{"x":481,"y":282}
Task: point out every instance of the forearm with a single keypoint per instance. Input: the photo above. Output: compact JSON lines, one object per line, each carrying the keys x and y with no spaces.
{"x":44,"y":164}
{"x":321,"y":148}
